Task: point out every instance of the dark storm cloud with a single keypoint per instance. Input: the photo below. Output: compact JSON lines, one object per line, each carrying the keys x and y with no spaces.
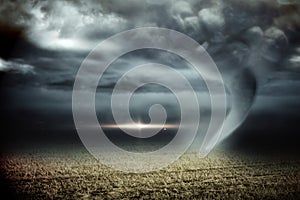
{"x":55,"y":36}
{"x":237,"y":34}
{"x":9,"y":37}
{"x":79,"y":25}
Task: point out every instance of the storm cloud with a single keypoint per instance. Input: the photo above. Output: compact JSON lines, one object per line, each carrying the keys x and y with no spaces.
{"x":43,"y":43}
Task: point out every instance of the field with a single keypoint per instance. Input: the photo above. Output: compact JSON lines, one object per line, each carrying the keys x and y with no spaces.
{"x":74,"y":174}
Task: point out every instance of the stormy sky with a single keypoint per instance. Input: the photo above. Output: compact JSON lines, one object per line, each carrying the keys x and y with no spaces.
{"x":43,"y":43}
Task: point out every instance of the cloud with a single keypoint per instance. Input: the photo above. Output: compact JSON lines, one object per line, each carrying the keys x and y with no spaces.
{"x":237,"y":34}
{"x":16,"y":66}
{"x":293,"y":62}
{"x":78,"y":25}
{"x":213,"y":22}
{"x":64,"y":25}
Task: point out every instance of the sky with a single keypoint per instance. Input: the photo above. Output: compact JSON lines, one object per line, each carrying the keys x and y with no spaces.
{"x":255,"y":44}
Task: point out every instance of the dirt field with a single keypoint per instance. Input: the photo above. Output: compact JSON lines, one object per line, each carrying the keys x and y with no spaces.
{"x":222,"y":175}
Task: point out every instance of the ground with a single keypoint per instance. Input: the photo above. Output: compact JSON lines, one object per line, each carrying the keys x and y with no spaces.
{"x":74,"y":174}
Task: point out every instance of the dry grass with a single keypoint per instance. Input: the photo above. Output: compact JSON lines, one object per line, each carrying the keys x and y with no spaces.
{"x":222,"y":175}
